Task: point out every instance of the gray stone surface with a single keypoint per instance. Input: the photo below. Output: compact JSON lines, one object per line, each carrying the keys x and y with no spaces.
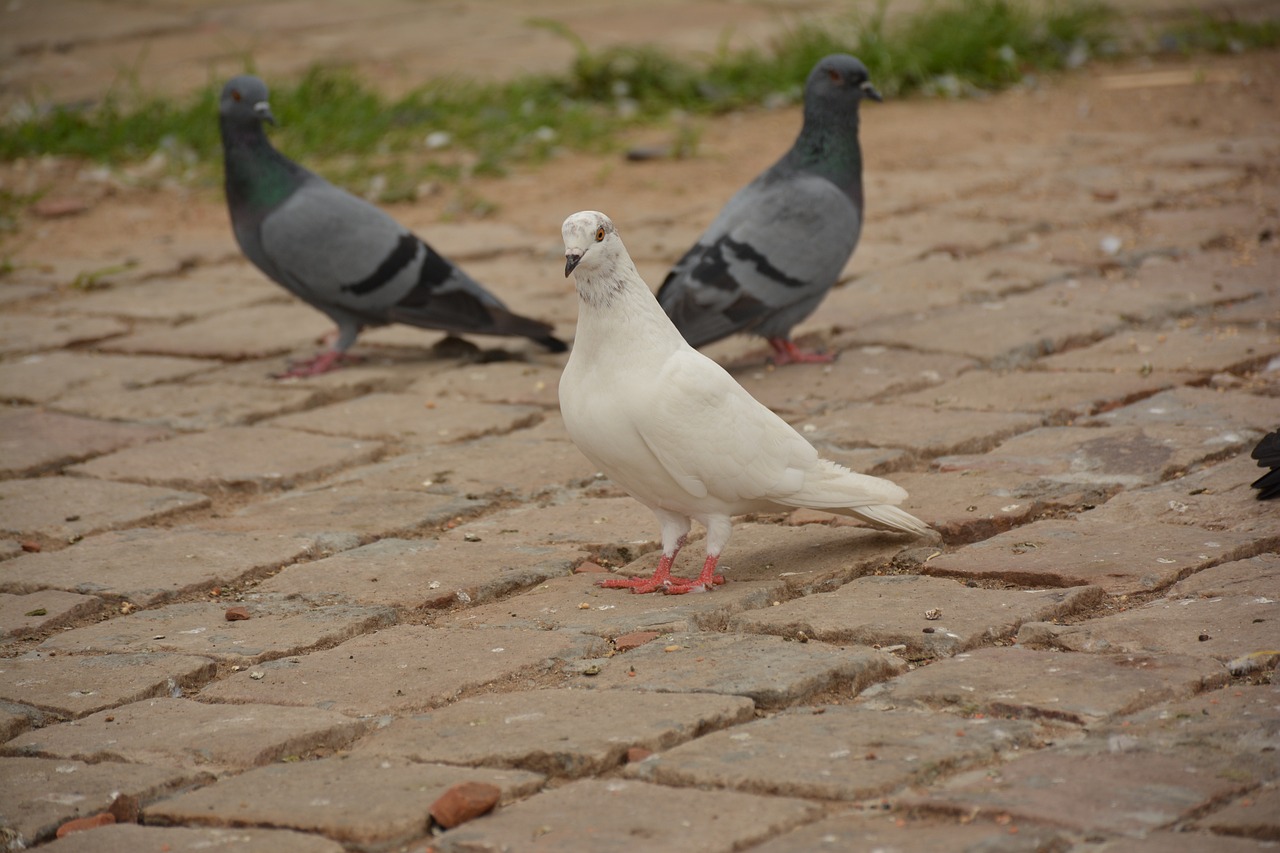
{"x":132,"y":838}
{"x":1057,"y":394}
{"x":253,"y":459}
{"x":69,"y":508}
{"x":172,"y":405}
{"x":925,"y":431}
{"x":77,"y":685}
{"x":967,"y":506}
{"x":771,"y":671}
{"x":361,"y":800}
{"x":1195,"y":351}
{"x":194,"y":735}
{"x":412,"y":417}
{"x":277,"y":626}
{"x":890,"y":610}
{"x":33,"y":332}
{"x":252,"y":332}
{"x":33,"y":441}
{"x":404,"y":668}
{"x":1016,"y":682}
{"x":37,"y":795}
{"x":1255,"y":815}
{"x":558,"y":733}
{"x":834,"y":752}
{"x":47,"y":376}
{"x":616,"y":528}
{"x":149,"y":565}
{"x":41,"y":610}
{"x":594,"y":816}
{"x":861,"y":831}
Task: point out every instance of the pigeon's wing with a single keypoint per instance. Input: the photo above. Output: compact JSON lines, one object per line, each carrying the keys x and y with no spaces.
{"x":778,"y":244}
{"x":330,"y":247}
{"x":1267,"y":451}
{"x":715,"y":439}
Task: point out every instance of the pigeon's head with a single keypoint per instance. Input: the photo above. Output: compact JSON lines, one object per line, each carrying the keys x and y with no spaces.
{"x":589,"y":237}
{"x":244,"y":100}
{"x":837,"y":80}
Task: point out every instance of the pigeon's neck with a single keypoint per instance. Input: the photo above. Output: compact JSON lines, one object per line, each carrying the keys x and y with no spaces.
{"x":615,"y":307}
{"x":828,"y":146}
{"x":258,"y":177}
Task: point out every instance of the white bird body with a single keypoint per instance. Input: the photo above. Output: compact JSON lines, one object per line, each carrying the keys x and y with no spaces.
{"x":673,"y":428}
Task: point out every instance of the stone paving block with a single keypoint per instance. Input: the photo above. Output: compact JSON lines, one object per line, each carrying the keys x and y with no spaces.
{"x":559,"y":733}
{"x":1258,"y":577}
{"x":1118,"y":557}
{"x":188,"y":734}
{"x":199,"y":292}
{"x":404,"y":668}
{"x":1220,"y":628}
{"x":966,"y":506}
{"x":336,"y":514}
{"x":1087,"y":793}
{"x":928,"y":432}
{"x":420,"y":574}
{"x":368,"y":802}
{"x":412,"y":417}
{"x":1187,"y":349}
{"x":149,"y":565}
{"x":254,"y":459}
{"x":890,"y":610}
{"x":70,"y":508}
{"x":277,"y":626}
{"x":1256,"y":815}
{"x":33,"y":441}
{"x":22,"y":333}
{"x":1202,"y":279}
{"x":1058,"y":394}
{"x":1005,"y":330}
{"x":132,"y":838}
{"x":1076,"y":688}
{"x":771,"y":671}
{"x":16,"y":719}
{"x":47,"y":376}
{"x":77,"y":685}
{"x":519,"y":383}
{"x":1242,"y":720}
{"x":1127,"y":456}
{"x":611,"y":816}
{"x":833,"y":752}
{"x":217,"y":404}
{"x":1181,"y":841}
{"x":1215,"y":413}
{"x":21,"y":615}
{"x":617,"y":529}
{"x":242,"y":333}
{"x":859,"y":373}
{"x":37,"y":795}
{"x":861,"y":831}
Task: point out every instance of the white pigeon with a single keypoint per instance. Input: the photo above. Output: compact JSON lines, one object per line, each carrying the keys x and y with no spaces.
{"x":677,"y":432}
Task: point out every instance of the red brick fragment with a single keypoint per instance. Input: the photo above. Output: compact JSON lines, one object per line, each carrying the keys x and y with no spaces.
{"x":80,"y":824}
{"x":638,"y":753}
{"x":463,"y":802}
{"x":237,"y":614}
{"x":634,"y":640}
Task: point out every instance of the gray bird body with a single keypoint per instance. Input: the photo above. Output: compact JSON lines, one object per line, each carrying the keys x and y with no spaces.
{"x":337,"y":252}
{"x":779,"y":245}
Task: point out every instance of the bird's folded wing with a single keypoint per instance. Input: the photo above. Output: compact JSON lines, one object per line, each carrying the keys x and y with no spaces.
{"x":338,"y":248}
{"x":713,"y":438}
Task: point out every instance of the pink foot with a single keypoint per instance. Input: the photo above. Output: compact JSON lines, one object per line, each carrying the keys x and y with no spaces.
{"x":325,"y":362}
{"x":786,"y":352}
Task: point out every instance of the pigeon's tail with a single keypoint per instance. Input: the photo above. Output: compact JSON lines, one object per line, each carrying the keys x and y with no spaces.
{"x":888,"y":517}
{"x":834,"y":488}
{"x":1268,"y":455}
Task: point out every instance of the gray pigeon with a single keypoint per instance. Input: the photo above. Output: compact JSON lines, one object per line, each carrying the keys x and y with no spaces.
{"x":780,"y":243}
{"x":339,"y":253}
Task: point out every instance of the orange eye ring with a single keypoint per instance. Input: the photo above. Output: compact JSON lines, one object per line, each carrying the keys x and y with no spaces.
{"x":599,"y":235}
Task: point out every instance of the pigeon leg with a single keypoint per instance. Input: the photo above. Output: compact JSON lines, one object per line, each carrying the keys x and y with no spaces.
{"x":786,"y":352}
{"x":719,"y":528}
{"x":325,"y":362}
{"x":675,"y":532}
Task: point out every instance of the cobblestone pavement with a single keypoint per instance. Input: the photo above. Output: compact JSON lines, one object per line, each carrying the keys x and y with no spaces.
{"x":288,"y":616}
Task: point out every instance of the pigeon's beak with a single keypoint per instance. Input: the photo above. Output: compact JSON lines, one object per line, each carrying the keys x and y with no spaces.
{"x":571,"y":260}
{"x":263,"y":111}
{"x":869,"y":91}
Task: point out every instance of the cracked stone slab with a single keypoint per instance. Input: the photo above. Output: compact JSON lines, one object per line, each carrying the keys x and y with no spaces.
{"x":70,"y":508}
{"x":1255,"y":815}
{"x":74,"y":686}
{"x":34,"y":441}
{"x":1214,"y":413}
{"x":890,"y":610}
{"x":193,"y":735}
{"x":590,"y":816}
{"x":45,"y":377}
{"x":1258,"y":577}
{"x":1075,"y":688}
{"x":200,"y":291}
{"x":861,"y":831}
{"x":1088,"y":793}
{"x":403,"y":668}
{"x":927,"y":432}
{"x":1058,"y":394}
{"x":559,"y":733}
{"x":968,"y":506}
{"x":33,"y":332}
{"x":219,"y":404}
{"x":132,"y":838}
{"x":771,"y":671}
{"x":1120,"y":558}
{"x":1239,"y":720}
{"x":277,"y":626}
{"x":423,"y":574}
{"x":833,"y":752}
{"x":618,"y":529}
{"x":359,"y":800}
{"x":254,"y":459}
{"x":1187,"y":349}
{"x":151,"y":565}
{"x":241,"y":333}
{"x":33,"y":612}
{"x":37,"y":795}
{"x":412,"y":417}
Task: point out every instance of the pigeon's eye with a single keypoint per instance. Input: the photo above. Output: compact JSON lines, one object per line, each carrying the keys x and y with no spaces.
{"x":834,"y":75}
{"x":235,"y":94}
{"x":599,"y":235}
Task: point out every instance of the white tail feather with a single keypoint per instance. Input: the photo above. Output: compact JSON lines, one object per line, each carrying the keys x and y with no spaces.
{"x":888,"y":518}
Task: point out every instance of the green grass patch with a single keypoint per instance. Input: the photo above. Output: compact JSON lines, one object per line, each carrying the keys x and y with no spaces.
{"x":1221,"y":35}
